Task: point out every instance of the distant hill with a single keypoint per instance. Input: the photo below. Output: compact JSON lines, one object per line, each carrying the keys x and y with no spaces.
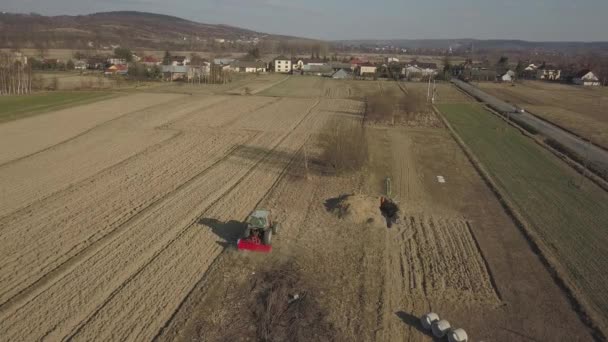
{"x":480,"y":45}
{"x":132,"y":29}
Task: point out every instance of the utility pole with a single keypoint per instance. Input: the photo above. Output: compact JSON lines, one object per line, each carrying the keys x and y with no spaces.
{"x":428,"y":90}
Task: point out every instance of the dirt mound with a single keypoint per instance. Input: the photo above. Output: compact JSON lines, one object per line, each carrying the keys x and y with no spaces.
{"x":360,"y":209}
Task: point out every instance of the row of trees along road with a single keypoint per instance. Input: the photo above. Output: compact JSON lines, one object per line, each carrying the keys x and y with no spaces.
{"x":15,"y":76}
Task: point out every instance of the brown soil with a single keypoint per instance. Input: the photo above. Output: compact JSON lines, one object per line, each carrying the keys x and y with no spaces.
{"x":357,"y":209}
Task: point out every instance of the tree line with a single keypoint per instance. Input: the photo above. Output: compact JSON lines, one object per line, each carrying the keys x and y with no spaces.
{"x":15,"y":76}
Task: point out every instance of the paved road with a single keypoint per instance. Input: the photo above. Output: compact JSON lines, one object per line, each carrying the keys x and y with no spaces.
{"x":597,"y":158}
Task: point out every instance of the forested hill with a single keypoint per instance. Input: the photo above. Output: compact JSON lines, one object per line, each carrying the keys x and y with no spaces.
{"x":133,"y":29}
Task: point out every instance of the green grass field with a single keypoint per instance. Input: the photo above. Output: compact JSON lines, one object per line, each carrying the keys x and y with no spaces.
{"x":17,"y":107}
{"x":568,"y":213}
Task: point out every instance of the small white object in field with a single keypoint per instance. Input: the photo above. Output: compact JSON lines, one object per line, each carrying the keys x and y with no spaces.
{"x":440,"y":179}
{"x":458,"y":335}
{"x":440,"y":328}
{"x":428,"y":319}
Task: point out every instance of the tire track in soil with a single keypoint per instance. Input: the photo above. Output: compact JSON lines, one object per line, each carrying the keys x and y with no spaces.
{"x":59,"y":226}
{"x":83,"y":279}
{"x":99,"y":275}
{"x":34,"y":179}
{"x":114,"y":229}
{"x":233,"y":199}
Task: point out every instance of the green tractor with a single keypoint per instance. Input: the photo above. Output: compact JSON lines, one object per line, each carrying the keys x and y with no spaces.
{"x":259,"y":231}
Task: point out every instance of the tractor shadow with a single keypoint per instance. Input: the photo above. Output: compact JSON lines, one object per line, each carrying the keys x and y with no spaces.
{"x":228,"y":231}
{"x":414,"y":322}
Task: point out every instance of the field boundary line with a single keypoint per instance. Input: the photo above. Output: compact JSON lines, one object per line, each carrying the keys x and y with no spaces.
{"x":271,"y":85}
{"x":597,"y":179}
{"x":485,"y":261}
{"x":590,"y":318}
{"x":541,"y":133}
{"x":592,"y":176}
{"x":567,"y":130}
{"x":81,"y":134}
{"x":37,"y":111}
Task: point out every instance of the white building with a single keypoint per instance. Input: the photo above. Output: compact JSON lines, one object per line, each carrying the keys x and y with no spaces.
{"x":586,"y":78}
{"x":282,"y":64}
{"x":115,"y":61}
{"x":509,"y":76}
{"x":549,"y":73}
{"x":80,"y":65}
{"x":367,"y":69}
{"x":248,"y":66}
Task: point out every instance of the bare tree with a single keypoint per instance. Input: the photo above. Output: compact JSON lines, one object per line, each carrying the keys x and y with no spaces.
{"x":15,"y":75}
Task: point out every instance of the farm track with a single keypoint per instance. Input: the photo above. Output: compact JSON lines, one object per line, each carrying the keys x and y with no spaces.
{"x":144,"y":240}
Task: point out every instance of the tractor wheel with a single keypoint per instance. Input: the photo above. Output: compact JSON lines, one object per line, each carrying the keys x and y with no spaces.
{"x":268,"y":237}
{"x":247,"y":233}
{"x":276,"y":228}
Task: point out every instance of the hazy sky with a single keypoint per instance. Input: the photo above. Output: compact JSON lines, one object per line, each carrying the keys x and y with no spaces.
{"x":359,"y":19}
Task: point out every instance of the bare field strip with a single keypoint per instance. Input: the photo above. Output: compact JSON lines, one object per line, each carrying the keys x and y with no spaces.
{"x":578,"y":109}
{"x":438,"y":260}
{"x":30,"y":135}
{"x":22,"y":106}
{"x":297,"y":86}
{"x":258,"y":84}
{"x":112,"y":247}
{"x":34,"y":178}
{"x":567,"y":213}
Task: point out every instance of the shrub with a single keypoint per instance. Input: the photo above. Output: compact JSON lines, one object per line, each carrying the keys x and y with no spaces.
{"x":344,"y":146}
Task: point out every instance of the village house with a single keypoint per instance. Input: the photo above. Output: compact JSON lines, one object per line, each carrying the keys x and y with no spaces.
{"x":80,"y":65}
{"x":179,"y":60}
{"x":223,"y":61}
{"x":248,"y":66}
{"x":197,"y":73}
{"x":96,"y":63}
{"x":299,"y":63}
{"x":508,"y":76}
{"x":586,"y":78}
{"x":531,"y":67}
{"x":356,"y":62}
{"x":117,"y":69}
{"x":117,"y":61}
{"x":151,"y":61}
{"x":317,"y":70}
{"x":342,"y":74}
{"x":282,"y":64}
{"x":367,"y":69}
{"x":548,"y":73}
{"x":174,"y":72}
{"x":417,"y":70}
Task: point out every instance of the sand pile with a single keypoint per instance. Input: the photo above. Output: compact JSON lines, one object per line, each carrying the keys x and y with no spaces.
{"x":359,"y":209}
